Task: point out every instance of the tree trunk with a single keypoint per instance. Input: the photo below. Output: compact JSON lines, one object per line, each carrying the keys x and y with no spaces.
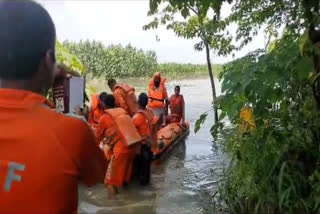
{"x":213,"y":87}
{"x":314,"y":36}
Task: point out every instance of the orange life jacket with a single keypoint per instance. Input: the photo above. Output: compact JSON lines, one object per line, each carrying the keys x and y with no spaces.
{"x":154,"y":123}
{"x":156,"y":97}
{"x":95,"y":101}
{"x":148,"y":114}
{"x":95,"y":113}
{"x":130,"y":98}
{"x":125,"y":126}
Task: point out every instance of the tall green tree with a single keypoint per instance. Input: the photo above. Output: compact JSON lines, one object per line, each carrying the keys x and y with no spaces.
{"x":195,"y":25}
{"x":251,"y":15}
{"x":183,"y":6}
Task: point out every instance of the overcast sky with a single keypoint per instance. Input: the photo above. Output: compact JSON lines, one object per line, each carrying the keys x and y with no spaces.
{"x":119,"y":21}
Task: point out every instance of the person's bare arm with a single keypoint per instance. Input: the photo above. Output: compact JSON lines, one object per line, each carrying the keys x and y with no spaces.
{"x":166,"y":100}
{"x":183,"y":109}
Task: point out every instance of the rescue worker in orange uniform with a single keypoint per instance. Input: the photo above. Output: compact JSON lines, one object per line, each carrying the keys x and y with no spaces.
{"x":116,"y":136}
{"x":96,"y":110}
{"x":43,"y":153}
{"x":143,"y":121}
{"x":124,"y":96}
{"x":177,"y":107}
{"x":158,"y":97}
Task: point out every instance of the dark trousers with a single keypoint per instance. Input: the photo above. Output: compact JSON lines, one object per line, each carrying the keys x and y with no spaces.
{"x":143,"y":165}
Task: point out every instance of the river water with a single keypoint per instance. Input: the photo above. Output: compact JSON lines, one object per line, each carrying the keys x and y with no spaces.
{"x":185,"y":180}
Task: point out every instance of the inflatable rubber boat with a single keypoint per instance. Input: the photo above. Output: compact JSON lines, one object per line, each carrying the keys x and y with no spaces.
{"x":168,"y":137}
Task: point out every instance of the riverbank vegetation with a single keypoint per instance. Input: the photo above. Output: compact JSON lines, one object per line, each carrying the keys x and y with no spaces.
{"x":119,"y":61}
{"x":275,"y":160}
{"x":274,"y":167}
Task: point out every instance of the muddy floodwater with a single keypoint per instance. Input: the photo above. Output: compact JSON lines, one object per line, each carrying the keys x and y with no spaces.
{"x":184,"y":181}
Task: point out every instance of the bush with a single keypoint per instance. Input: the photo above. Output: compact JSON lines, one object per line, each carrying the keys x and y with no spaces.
{"x":175,"y":69}
{"x":275,"y":167}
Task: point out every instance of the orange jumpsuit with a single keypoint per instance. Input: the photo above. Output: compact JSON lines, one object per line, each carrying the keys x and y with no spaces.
{"x":95,"y":112}
{"x":117,"y":172}
{"x":94,"y":116}
{"x":176,"y":109}
{"x":43,"y":155}
{"x":142,"y":124}
{"x":125,"y":98}
{"x":142,"y":121}
{"x":157,"y":97}
{"x":120,"y":98}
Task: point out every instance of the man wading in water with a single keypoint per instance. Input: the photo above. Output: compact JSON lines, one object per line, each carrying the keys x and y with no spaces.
{"x":143,"y":121}
{"x":43,"y":154}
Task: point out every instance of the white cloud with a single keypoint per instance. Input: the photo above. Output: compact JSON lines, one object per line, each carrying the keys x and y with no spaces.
{"x":114,"y":22}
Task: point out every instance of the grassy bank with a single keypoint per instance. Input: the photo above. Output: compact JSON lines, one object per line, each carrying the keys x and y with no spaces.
{"x":176,"y":70}
{"x":117,"y":61}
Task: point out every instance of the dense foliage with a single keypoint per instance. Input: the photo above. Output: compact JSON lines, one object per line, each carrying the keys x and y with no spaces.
{"x":70,"y":60}
{"x":183,"y":6}
{"x":113,"y":61}
{"x":274,"y":167}
{"x":118,"y":61}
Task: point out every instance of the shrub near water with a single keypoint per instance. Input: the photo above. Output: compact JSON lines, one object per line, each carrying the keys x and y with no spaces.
{"x":275,"y":168}
{"x":176,"y":70}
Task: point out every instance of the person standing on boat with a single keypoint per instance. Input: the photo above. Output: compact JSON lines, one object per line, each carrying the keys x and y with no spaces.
{"x":177,"y":107}
{"x":124,"y":96}
{"x":143,"y":121}
{"x":43,"y":153}
{"x":158,"y":97}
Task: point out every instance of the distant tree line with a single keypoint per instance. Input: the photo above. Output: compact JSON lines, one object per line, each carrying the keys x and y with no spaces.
{"x":126,"y":61}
